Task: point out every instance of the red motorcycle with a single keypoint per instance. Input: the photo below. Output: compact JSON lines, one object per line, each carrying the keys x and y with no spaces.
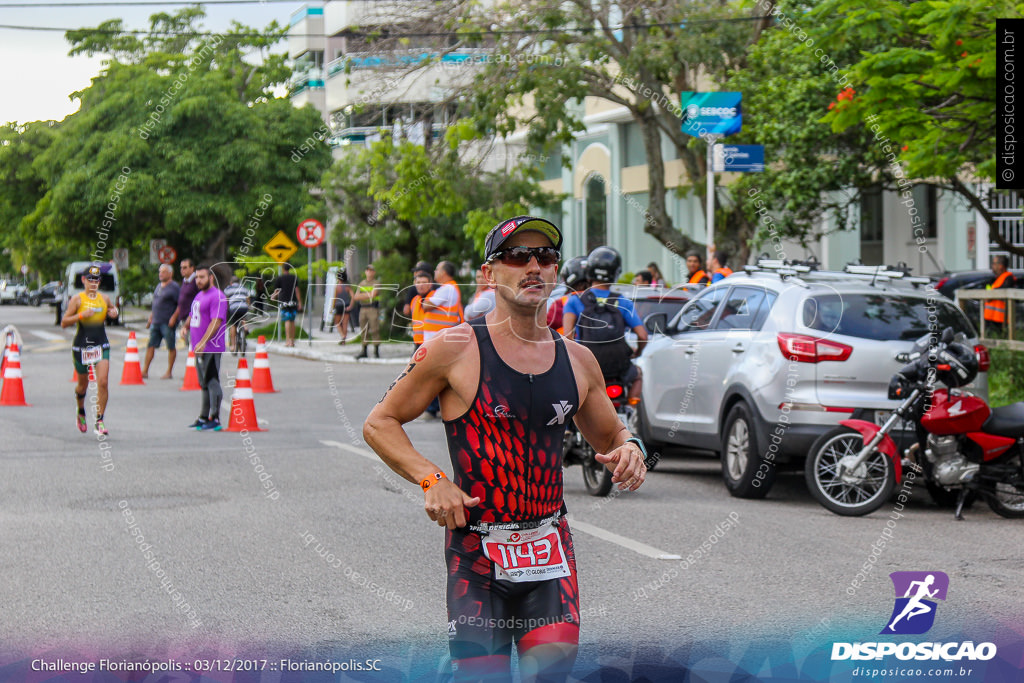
{"x":963,"y":449}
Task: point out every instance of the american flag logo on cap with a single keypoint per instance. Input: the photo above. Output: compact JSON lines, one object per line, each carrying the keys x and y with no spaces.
{"x":508,"y":227}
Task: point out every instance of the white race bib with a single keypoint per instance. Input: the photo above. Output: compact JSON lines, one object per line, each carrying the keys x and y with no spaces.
{"x":526,"y":555}
{"x":92,"y":355}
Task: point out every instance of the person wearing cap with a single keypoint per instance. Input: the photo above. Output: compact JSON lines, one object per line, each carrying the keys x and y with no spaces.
{"x":367,"y":294}
{"x":508,"y":386}
{"x":90,"y":311}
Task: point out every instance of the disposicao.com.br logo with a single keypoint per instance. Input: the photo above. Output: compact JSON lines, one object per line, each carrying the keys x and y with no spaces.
{"x":914,"y":613}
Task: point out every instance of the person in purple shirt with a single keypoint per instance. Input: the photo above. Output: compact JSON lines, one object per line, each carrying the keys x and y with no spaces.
{"x":206,"y":330}
{"x":186,"y":294}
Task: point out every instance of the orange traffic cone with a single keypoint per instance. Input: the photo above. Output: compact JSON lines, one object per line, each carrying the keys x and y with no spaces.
{"x":13,"y":393}
{"x":132,"y":371}
{"x":243,"y":409}
{"x":262,"y":382}
{"x":191,"y":376}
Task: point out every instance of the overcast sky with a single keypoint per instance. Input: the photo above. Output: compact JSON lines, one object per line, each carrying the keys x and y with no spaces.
{"x":36,"y":73}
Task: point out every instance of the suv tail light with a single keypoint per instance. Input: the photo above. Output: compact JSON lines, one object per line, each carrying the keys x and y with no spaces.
{"x":984,"y":360}
{"x":806,"y":349}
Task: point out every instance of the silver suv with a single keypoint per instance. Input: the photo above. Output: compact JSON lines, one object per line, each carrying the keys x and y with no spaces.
{"x":763,"y":363}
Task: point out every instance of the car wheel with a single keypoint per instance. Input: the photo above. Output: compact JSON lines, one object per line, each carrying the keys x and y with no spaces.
{"x":637,"y":424}
{"x":745,"y":473}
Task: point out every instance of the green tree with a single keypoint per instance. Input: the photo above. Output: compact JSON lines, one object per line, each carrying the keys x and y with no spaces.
{"x":21,"y":187}
{"x":926,"y":77}
{"x":183,"y":135}
{"x":410,"y":203}
{"x":547,"y":57}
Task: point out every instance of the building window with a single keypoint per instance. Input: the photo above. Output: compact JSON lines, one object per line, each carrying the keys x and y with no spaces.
{"x":871,"y":226}
{"x":596,"y":212}
{"x":926,"y":201}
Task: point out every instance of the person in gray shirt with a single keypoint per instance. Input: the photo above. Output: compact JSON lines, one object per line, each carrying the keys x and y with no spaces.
{"x":163,"y":320}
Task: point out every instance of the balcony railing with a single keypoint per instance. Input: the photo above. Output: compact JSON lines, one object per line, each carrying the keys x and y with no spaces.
{"x":404,"y":58}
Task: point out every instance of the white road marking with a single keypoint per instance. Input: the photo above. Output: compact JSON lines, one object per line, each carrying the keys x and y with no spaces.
{"x":577,"y":525}
{"x":48,"y":336}
{"x":628,"y":543}
{"x":369,"y":455}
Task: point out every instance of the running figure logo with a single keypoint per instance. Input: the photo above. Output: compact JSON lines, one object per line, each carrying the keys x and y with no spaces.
{"x":914,"y":612}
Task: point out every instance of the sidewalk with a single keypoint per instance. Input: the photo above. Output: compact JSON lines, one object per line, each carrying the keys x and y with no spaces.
{"x":324,"y":345}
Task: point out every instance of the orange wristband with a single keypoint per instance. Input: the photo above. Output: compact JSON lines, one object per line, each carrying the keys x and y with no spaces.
{"x":432,"y":479}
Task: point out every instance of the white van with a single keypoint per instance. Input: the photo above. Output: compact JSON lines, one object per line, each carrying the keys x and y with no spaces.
{"x":110,"y":284}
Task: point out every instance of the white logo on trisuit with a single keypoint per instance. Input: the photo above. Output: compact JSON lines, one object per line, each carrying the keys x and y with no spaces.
{"x":501,"y":411}
{"x":957,"y":409}
{"x":562,"y":409}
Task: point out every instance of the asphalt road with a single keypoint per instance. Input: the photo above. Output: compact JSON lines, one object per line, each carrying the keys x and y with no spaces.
{"x":272,"y":556}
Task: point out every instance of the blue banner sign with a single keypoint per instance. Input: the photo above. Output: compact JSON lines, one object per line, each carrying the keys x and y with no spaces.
{"x":711,"y":113}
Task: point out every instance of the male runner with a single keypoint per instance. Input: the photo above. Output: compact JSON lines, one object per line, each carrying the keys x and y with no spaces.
{"x":209,"y":311}
{"x":90,"y":310}
{"x":508,"y":385}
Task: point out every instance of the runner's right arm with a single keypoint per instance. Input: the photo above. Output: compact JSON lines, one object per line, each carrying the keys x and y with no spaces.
{"x":425,"y":377}
{"x":71,"y":316}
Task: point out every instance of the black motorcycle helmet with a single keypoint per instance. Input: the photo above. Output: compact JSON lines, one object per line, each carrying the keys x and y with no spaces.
{"x":604,"y":264}
{"x":961,"y":362}
{"x":575,"y":270}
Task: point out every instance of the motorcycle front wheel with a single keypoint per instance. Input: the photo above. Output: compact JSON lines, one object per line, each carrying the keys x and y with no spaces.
{"x":846,"y":492}
{"x":596,"y":477}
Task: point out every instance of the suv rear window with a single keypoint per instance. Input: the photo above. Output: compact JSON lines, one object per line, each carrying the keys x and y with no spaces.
{"x":884,"y":317}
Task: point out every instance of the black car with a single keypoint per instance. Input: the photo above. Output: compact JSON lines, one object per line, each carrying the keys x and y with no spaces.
{"x":970,"y":279}
{"x":975,"y":279}
{"x":47,"y":294}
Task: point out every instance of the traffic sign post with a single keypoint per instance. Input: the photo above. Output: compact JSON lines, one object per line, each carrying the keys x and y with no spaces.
{"x":167,"y":254}
{"x":280,"y":247}
{"x":738,"y":159}
{"x":711,"y":116}
{"x":311,"y":235}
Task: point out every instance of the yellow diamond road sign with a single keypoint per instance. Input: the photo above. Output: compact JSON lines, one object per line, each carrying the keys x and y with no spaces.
{"x":280,"y":247}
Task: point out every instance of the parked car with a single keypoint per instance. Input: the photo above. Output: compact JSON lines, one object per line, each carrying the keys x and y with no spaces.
{"x":47,"y":294}
{"x":110,"y":284}
{"x":12,"y":292}
{"x":761,"y":364}
{"x":975,"y":279}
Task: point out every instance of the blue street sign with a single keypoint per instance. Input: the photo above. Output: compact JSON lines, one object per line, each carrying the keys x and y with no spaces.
{"x":711,"y":113}
{"x":737,"y":158}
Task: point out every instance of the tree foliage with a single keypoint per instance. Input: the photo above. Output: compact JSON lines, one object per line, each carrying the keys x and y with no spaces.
{"x":180,"y":138}
{"x":548,"y":56}
{"x":918,"y":100}
{"x":411,"y":202}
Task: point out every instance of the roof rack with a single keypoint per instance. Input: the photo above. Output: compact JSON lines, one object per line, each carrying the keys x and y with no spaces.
{"x":900,"y":271}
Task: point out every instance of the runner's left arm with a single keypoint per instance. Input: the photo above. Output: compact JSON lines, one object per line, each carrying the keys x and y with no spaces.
{"x":112,"y":311}
{"x":601,"y":427}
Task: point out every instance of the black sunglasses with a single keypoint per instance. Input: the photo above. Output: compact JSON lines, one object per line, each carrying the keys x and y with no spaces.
{"x":520,"y":256}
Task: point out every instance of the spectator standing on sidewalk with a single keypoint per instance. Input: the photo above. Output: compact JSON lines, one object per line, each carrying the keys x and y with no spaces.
{"x":342,"y":298}
{"x":483,"y":298}
{"x":165,"y":308}
{"x":186,"y":294}
{"x":367,"y":294}
{"x":657,"y":279}
{"x":422,"y":286}
{"x":209,"y":312}
{"x":442,"y":310}
{"x":286,"y":292}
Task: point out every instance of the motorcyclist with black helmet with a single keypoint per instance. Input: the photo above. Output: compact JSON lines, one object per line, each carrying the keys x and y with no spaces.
{"x":574,"y":275}
{"x":590,"y":318}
